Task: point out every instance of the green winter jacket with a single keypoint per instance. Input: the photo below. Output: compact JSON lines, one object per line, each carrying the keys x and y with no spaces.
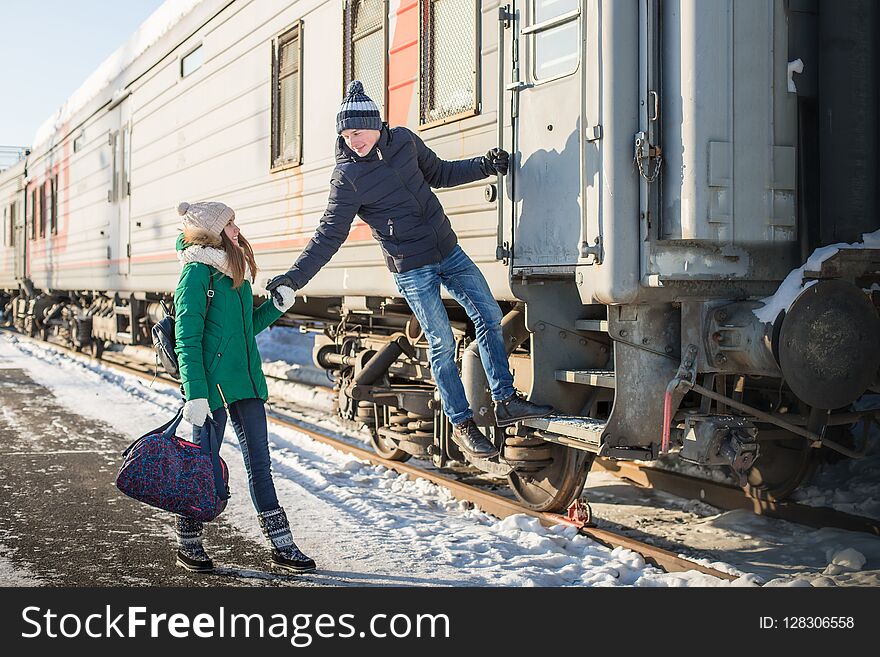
{"x":219,"y":350}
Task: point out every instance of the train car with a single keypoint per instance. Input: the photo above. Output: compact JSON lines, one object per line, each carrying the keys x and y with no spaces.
{"x":12,"y":206}
{"x":673,"y":162}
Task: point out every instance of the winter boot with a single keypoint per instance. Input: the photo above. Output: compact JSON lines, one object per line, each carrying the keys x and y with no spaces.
{"x":471,"y":440}
{"x":190,"y":553}
{"x":515,"y":408}
{"x":285,"y":553}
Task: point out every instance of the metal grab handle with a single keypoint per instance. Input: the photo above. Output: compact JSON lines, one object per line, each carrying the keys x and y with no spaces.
{"x":503,"y":16}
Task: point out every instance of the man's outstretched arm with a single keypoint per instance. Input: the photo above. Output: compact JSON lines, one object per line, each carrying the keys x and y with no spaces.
{"x":444,"y":173}
{"x":342,"y":207}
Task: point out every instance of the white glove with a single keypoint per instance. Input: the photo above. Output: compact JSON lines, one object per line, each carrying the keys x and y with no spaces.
{"x":195,"y":411}
{"x":288,"y":296}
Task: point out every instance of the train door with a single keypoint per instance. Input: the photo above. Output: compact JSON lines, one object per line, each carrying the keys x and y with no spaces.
{"x":546,"y":106}
{"x":18,"y":238}
{"x":120,"y":190}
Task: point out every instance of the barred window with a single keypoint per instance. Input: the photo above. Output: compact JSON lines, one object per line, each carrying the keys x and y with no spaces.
{"x":450,"y":57}
{"x":287,"y":98}
{"x":365,"y":47}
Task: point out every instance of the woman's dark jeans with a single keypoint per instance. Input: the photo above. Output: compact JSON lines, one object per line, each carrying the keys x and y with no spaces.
{"x":249,"y":423}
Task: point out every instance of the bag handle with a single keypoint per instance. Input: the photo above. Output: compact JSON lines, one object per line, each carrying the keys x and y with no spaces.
{"x":211,"y":446}
{"x":166,"y":429}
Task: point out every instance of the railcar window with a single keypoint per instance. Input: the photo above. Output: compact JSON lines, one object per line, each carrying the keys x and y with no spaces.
{"x":450,"y":56}
{"x":365,"y":47}
{"x":556,"y":46}
{"x":44,"y":192}
{"x":12,"y":217}
{"x":53,"y":216}
{"x":287,"y":98}
{"x":33,"y":213}
{"x":49,"y":191}
{"x":191,"y":61}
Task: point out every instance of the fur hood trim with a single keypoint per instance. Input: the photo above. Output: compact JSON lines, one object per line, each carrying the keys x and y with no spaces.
{"x":201,"y":237}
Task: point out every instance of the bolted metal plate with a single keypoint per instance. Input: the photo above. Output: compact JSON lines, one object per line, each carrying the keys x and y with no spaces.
{"x":829,"y":344}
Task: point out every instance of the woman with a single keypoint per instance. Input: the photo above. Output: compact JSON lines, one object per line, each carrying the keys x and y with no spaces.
{"x":220,"y":367}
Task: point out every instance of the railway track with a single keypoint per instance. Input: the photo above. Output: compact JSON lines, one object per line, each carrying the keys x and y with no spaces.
{"x":475,"y":491}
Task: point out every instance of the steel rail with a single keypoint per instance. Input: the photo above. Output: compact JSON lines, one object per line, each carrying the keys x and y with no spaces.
{"x":728,"y":497}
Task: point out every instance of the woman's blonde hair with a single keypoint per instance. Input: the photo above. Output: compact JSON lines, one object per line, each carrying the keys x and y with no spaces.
{"x":239,"y":255}
{"x":236,"y":255}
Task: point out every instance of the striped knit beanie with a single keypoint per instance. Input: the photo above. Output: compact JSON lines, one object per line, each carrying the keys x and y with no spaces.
{"x":357,"y":110}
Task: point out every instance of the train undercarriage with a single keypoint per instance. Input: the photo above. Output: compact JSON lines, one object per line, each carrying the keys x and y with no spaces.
{"x":703,"y":381}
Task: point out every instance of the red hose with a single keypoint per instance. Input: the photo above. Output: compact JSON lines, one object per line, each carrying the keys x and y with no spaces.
{"x":667,"y":420}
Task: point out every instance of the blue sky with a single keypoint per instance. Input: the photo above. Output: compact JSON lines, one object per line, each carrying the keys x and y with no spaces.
{"x":47,"y":50}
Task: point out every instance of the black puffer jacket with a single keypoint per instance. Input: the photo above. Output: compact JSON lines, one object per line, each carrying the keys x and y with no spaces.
{"x":390,"y":189}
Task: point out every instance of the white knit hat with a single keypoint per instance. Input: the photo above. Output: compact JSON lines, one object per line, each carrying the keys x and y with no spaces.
{"x":210,"y":216}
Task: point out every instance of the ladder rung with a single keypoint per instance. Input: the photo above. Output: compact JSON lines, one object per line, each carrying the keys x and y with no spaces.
{"x":600,"y":325}
{"x":583,"y":429}
{"x":599,"y":378}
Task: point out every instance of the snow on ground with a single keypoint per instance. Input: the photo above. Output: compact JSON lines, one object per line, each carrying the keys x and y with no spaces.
{"x":778,"y":552}
{"x":364,"y":524}
{"x":288,"y":353}
{"x":744,"y":542}
{"x":848,"y":485}
{"x":367,"y":525}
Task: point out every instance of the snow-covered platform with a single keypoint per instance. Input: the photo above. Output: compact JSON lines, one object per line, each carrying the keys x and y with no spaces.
{"x":66,"y":419}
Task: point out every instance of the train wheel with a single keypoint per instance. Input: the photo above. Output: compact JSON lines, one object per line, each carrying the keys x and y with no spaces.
{"x":555,"y":486}
{"x":781,"y":467}
{"x":387,"y":448}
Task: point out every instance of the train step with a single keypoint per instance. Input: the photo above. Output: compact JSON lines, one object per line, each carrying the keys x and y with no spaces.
{"x":586,"y":431}
{"x":598,"y":325}
{"x":598,"y":378}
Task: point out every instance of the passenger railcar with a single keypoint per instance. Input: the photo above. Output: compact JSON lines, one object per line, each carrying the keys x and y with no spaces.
{"x":673,"y":162}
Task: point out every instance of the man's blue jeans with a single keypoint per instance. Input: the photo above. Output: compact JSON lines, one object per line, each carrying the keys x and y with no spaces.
{"x":249,"y":422}
{"x":466,"y":284}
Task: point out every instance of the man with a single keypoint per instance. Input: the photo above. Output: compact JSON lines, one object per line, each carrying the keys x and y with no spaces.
{"x":385,"y":176}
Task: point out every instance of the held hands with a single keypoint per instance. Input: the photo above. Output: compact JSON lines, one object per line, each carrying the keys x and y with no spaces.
{"x":496,"y":161}
{"x":287,"y":297}
{"x":195,"y":411}
{"x":283,"y":291}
